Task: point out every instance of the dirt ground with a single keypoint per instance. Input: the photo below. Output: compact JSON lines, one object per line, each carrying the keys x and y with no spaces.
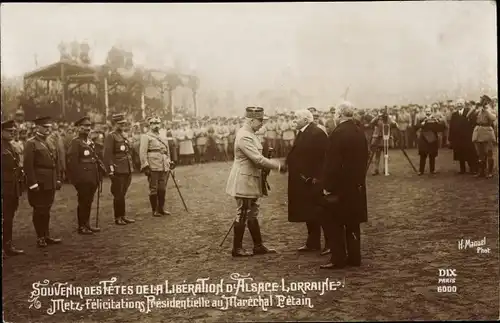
{"x":415,"y":224}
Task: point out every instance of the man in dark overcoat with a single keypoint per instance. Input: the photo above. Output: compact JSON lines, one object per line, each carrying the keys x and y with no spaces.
{"x":118,"y":162}
{"x":305,"y":162}
{"x":43,"y":179}
{"x":460,"y":138}
{"x":428,"y":141}
{"x":85,"y":171}
{"x":344,"y":182}
{"x":11,"y":186}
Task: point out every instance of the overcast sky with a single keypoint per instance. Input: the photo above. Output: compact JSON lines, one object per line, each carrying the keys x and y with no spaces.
{"x":385,"y":51}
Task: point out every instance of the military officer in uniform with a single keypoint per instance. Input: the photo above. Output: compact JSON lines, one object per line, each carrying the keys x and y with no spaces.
{"x":244,"y":182}
{"x":118,"y":163}
{"x":85,"y":173}
{"x":483,"y":135}
{"x":43,"y":179}
{"x":11,"y":188}
{"x":154,"y":154}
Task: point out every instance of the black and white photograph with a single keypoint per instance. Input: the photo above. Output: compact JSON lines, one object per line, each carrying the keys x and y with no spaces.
{"x":249,"y":162}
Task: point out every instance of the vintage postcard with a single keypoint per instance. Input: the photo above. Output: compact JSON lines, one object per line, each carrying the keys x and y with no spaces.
{"x":249,"y":162}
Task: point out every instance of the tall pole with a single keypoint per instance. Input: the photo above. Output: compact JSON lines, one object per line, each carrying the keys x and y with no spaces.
{"x":64,"y":88}
{"x":194,"y":103}
{"x":106,"y":99}
{"x":143,"y":105}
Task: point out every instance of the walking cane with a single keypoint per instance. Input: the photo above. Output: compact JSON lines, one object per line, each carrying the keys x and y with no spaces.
{"x":178,"y":190}
{"x":243,"y":219}
{"x":370,"y":158}
{"x":99,"y":190}
{"x":230,"y":228}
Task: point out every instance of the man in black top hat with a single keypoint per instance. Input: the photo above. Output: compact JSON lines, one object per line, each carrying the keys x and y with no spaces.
{"x":85,"y":172}
{"x":11,"y":188}
{"x":118,"y":163}
{"x":42,"y":177}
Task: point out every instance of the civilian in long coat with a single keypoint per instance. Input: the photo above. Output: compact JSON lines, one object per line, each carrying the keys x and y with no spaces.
{"x":305,"y":162}
{"x":344,"y":178}
{"x":428,"y":141}
{"x":460,"y":138}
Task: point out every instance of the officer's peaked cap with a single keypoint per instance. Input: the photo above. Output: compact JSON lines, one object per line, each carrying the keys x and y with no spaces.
{"x":8,"y":125}
{"x":119,"y":118}
{"x":83,"y":121}
{"x":42,"y":121}
{"x":255,"y":113}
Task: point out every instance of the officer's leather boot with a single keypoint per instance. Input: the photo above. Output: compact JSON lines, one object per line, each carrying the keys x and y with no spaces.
{"x":153,"y":200}
{"x":48,"y":239}
{"x":9,"y":249}
{"x":161,"y":203}
{"x":258,"y":246}
{"x":239,"y":231}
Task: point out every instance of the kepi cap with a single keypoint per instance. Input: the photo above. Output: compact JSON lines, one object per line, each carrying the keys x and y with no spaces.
{"x":119,"y":118}
{"x":9,"y":125}
{"x":485,"y":100}
{"x":42,"y":121}
{"x":255,"y":113}
{"x":83,"y":121}
{"x":154,"y":120}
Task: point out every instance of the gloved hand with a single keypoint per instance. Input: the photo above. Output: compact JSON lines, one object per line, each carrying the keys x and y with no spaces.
{"x":147,"y":171}
{"x":35,"y":188}
{"x":172,"y":165}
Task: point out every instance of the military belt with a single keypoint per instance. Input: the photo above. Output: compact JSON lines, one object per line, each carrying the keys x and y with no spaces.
{"x":154,"y":150}
{"x":484,"y":124}
{"x":44,"y":167}
{"x":87,"y":160}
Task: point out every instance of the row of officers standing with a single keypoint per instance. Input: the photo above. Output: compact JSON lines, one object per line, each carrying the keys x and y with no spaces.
{"x":38,"y":173}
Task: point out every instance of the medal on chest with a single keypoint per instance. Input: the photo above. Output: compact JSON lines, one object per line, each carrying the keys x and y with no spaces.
{"x":86,"y":152}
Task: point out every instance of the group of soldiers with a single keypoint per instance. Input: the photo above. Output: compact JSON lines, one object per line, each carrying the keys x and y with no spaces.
{"x":37,"y":170}
{"x":42,"y":157}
